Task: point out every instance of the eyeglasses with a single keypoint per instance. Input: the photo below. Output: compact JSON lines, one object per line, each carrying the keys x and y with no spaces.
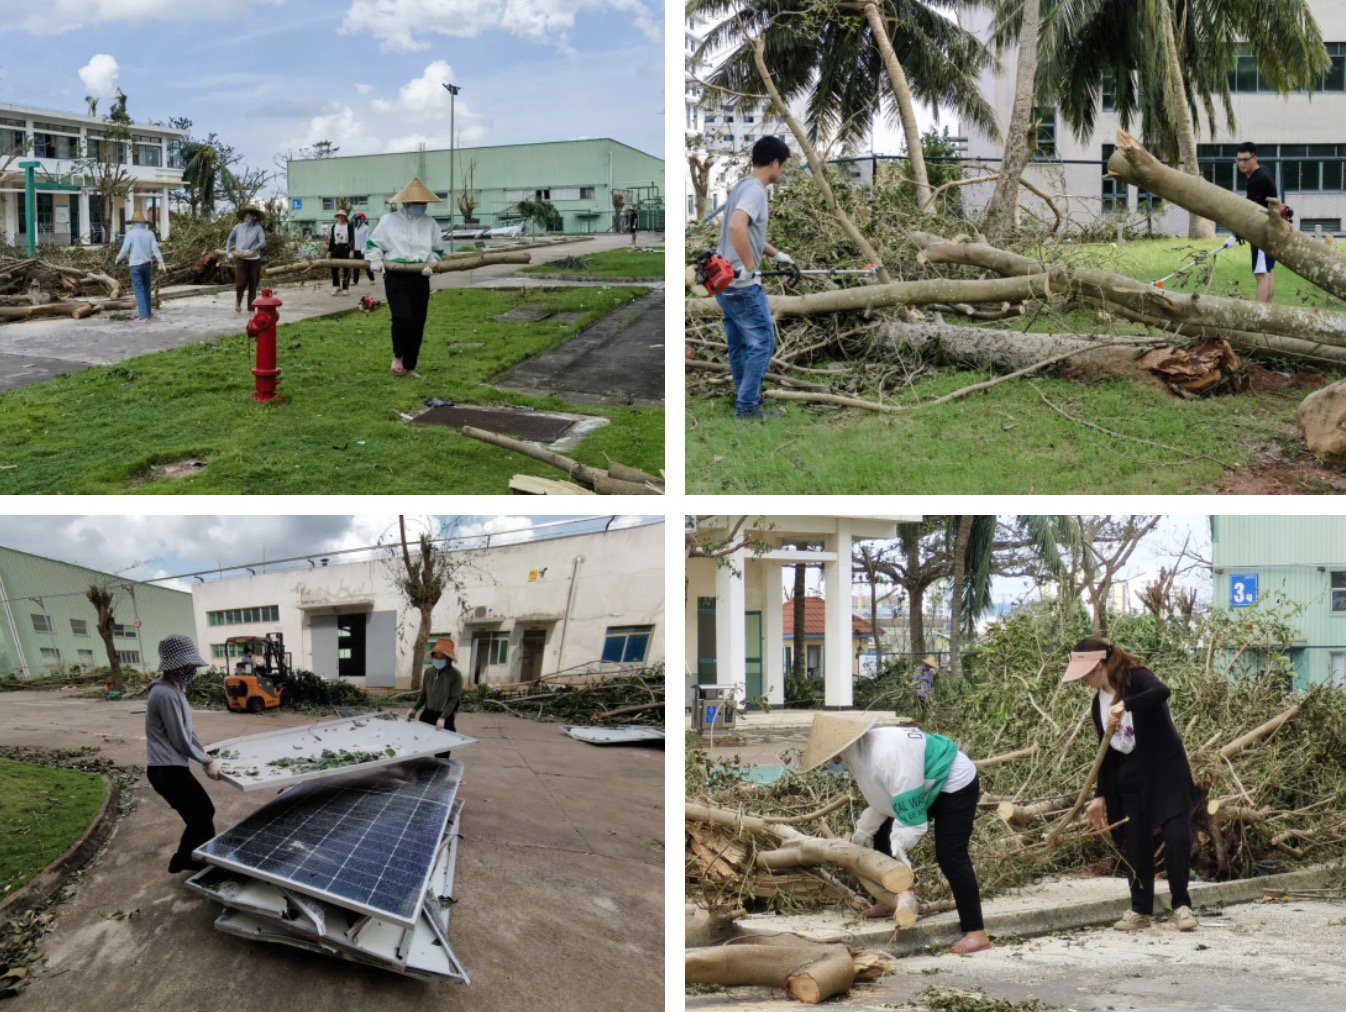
{"x":1243,"y":158}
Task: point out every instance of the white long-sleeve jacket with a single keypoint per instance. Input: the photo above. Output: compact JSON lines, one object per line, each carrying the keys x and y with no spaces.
{"x":403,"y":239}
{"x":890,"y":767}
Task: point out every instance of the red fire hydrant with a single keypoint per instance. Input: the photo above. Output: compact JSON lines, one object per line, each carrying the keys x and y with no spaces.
{"x":263,"y":327}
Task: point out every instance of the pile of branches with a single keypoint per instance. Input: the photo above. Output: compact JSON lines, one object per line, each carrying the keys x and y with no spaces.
{"x":628,"y":699}
{"x":1269,"y":764}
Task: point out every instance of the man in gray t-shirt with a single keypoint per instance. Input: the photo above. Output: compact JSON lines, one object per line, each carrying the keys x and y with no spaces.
{"x":749,"y":329}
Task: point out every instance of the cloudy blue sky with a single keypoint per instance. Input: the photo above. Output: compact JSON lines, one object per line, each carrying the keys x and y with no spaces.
{"x":150,"y":547}
{"x":275,"y":75}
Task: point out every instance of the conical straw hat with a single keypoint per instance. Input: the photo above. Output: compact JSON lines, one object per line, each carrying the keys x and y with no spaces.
{"x":415,"y":192}
{"x":831,"y":733}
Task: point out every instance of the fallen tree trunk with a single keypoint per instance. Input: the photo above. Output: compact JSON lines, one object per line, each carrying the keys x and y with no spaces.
{"x":466,"y":262}
{"x":808,"y":971}
{"x":75,"y":309}
{"x":895,"y":293}
{"x":1262,"y":226}
{"x":1019,"y":815}
{"x":951,"y":344}
{"x":600,"y":481}
{"x":1258,"y":733}
{"x":996,"y":760}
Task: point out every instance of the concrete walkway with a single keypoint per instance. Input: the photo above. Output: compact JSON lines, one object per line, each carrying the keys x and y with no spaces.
{"x":560,"y":881}
{"x":36,"y":350}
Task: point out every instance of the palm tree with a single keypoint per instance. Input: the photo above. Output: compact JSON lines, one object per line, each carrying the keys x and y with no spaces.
{"x":1167,"y":61}
{"x":200,"y":170}
{"x":839,"y":55}
{"x":1004,"y":205}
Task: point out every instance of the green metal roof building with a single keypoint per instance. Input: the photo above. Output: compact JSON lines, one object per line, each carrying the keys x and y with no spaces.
{"x":578,"y":177}
{"x":1301,"y":560}
{"x":47,"y":624}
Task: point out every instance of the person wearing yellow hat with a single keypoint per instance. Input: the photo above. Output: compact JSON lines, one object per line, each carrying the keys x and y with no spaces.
{"x":407,"y":235}
{"x":441,"y":689}
{"x":909,"y":778}
{"x":1144,"y":779}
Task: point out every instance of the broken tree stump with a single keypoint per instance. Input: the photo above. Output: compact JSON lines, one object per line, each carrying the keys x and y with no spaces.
{"x":597,"y":479}
{"x":808,"y":971}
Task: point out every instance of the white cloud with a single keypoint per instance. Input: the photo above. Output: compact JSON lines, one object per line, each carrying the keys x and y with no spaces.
{"x":53,"y":18}
{"x":364,"y":89}
{"x":402,"y":25}
{"x":419,"y":115}
{"x":100,"y":75}
{"x":342,"y":126}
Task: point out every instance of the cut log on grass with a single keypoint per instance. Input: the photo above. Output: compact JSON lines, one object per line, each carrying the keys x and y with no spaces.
{"x":895,"y":293}
{"x":600,"y":481}
{"x":950,"y":344}
{"x":531,"y":484}
{"x":1259,"y":733}
{"x":1264,"y":227}
{"x":1321,"y":417}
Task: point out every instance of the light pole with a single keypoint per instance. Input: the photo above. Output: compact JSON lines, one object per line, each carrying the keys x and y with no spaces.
{"x":453,"y":90}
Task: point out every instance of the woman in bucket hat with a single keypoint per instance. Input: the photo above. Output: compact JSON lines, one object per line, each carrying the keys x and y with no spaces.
{"x":441,"y":689}
{"x":340,"y":242}
{"x":407,"y":235}
{"x":909,"y":778}
{"x":1144,"y":779}
{"x":139,"y":249}
{"x":172,"y":744}
{"x":245,"y":245}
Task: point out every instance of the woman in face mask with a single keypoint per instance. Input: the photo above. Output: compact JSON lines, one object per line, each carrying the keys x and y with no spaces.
{"x":441,"y":689}
{"x":406,"y":236}
{"x":172,"y":745}
{"x":245,"y":246}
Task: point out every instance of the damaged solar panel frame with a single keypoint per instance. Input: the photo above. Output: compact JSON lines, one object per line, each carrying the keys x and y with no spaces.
{"x":360,"y":867}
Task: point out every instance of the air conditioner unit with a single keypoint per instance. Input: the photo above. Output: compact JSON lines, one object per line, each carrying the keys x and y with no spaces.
{"x":480,"y":611}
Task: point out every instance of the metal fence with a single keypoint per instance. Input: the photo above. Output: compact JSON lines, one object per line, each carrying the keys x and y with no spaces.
{"x":1313,"y":186}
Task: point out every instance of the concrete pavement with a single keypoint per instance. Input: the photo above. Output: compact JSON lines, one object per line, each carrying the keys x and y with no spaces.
{"x":36,"y":350}
{"x":560,"y":880}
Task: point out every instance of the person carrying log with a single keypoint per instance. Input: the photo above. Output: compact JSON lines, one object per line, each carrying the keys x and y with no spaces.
{"x":1261,"y":186}
{"x":244,"y":246}
{"x":909,"y":778}
{"x":1144,"y":777}
{"x":407,"y":235}
{"x":749,"y":329}
{"x":340,"y":241}
{"x":441,"y":689}
{"x":360,"y":227}
{"x":139,"y":248}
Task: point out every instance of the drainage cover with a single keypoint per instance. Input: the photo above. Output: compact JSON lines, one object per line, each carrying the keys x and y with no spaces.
{"x":532,"y":425}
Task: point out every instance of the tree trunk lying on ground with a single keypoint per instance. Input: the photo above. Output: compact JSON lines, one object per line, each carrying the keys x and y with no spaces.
{"x":1262,"y":226}
{"x":601,"y":481}
{"x":895,"y":293}
{"x":465,"y":262}
{"x":808,"y":971}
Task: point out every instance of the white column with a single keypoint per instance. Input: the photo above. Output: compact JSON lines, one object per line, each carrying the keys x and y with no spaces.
{"x":163,"y":213}
{"x":773,"y":634}
{"x":85,"y":225}
{"x":837,"y":632}
{"x":731,"y":634}
{"x":11,"y":203}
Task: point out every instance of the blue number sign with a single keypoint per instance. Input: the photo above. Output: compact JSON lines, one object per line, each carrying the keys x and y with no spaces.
{"x":297,"y":203}
{"x":710,"y":713}
{"x":1242,"y":589}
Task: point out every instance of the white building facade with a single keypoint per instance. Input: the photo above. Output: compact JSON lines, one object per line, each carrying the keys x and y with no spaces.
{"x":734,"y":616}
{"x":577,"y":604}
{"x":68,"y":204}
{"x":1300,"y":137}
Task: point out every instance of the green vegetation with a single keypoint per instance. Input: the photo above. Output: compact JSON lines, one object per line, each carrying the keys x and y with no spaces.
{"x":338,"y":425}
{"x":42,"y":812}
{"x":1008,"y":440}
{"x":612,"y":263}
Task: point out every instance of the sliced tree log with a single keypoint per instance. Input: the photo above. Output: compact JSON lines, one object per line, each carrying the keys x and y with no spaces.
{"x":622,"y":472}
{"x":896,"y":293}
{"x":1020,"y":815}
{"x":830,"y":974}
{"x":461,"y":263}
{"x":1227,"y":811}
{"x":809,"y":971}
{"x":908,"y":909}
{"x":1262,"y":226}
{"x":1259,"y":733}
{"x":67,"y":308}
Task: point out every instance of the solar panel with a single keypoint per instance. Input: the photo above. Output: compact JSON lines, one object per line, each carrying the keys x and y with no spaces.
{"x":368,"y":844}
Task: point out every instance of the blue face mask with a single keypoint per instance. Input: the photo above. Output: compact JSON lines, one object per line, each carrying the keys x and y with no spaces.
{"x":439,"y":662}
{"x":416,"y":210}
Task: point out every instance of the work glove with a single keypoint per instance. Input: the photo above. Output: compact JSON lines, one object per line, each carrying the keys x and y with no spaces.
{"x":744,"y":274}
{"x":376,"y":265}
{"x":427,"y":271}
{"x":783,"y":258}
{"x":229,"y":256}
{"x":213,"y":769}
{"x":862,"y":839}
{"x":439,"y":724}
{"x":411,"y":715}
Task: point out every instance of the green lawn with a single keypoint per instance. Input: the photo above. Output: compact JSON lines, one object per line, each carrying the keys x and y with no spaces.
{"x":42,"y":812}
{"x":612,"y":263}
{"x":336,"y":428}
{"x":1007,"y":440}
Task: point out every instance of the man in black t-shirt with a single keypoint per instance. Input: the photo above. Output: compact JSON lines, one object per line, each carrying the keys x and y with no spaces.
{"x":1261,"y":185}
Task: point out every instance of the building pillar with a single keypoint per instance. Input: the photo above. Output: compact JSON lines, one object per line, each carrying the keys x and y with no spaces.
{"x":837,"y":687}
{"x":731,"y":633}
{"x":85,"y":225}
{"x":773,"y":634}
{"x":163,"y":214}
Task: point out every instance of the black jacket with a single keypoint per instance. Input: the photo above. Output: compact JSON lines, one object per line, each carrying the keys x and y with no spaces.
{"x":1157,"y":767}
{"x":331,"y":238}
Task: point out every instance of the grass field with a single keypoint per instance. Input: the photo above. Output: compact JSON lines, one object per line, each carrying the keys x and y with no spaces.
{"x":612,"y":263}
{"x":1008,"y":440}
{"x":42,"y":812}
{"x":337,"y":427}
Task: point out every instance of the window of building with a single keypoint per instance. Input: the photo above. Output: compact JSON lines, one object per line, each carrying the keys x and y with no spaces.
{"x":1046,"y":121}
{"x":175,"y":159}
{"x":125,"y":632}
{"x":1331,"y":226}
{"x":128,"y":656}
{"x":219,"y":651}
{"x":1339,"y":591}
{"x":13,"y":139}
{"x":239,"y":616}
{"x":586,"y":193}
{"x":50,"y":655}
{"x":630,"y":643}
{"x":710,"y":117}
{"x":42,"y":623}
{"x":1247,"y":75}
{"x":85,"y":656}
{"x":79,"y":627}
{"x":47,"y":144}
{"x":1114,"y":190}
{"x":1108,"y":99}
{"x":495,"y":645}
{"x":362,"y":201}
{"x":148,"y":152}
{"x":1297,"y":168}
{"x":329,"y":203}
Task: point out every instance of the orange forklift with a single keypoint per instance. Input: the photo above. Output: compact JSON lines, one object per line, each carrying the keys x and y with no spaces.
{"x":257,"y":682}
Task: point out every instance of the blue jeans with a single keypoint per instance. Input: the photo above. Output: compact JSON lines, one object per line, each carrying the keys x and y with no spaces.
{"x":140,"y":284}
{"x":751,"y":335}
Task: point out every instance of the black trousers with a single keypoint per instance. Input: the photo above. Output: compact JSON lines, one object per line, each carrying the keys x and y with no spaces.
{"x":341,"y":277}
{"x":186,"y":796}
{"x":432,"y":716}
{"x":408,"y":299}
{"x":1138,"y":845}
{"x":355,"y":274}
{"x":952,"y":816}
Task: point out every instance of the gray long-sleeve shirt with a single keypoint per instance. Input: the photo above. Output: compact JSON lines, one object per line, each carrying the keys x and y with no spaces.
{"x":169,"y":738}
{"x":244,"y":237}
